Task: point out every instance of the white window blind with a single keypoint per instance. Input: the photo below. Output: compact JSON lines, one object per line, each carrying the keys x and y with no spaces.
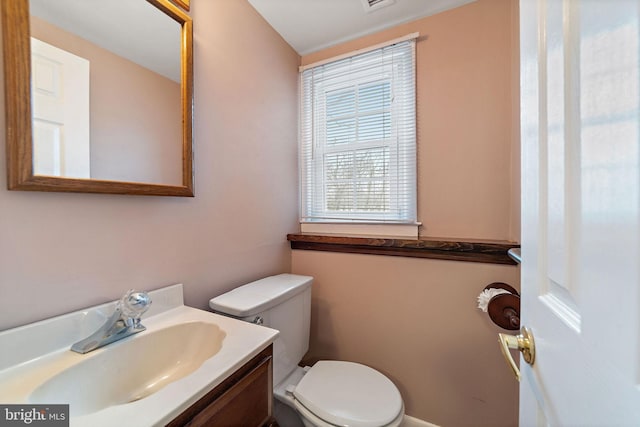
{"x":358,"y":138}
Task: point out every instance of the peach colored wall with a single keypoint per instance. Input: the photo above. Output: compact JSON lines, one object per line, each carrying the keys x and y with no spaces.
{"x":466,"y":128}
{"x":61,"y":252}
{"x":415,"y":319}
{"x":135,"y":118}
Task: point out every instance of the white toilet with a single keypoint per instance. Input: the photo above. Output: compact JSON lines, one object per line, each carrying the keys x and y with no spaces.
{"x":328,"y":394}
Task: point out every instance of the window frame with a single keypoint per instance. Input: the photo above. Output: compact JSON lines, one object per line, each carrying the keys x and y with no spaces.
{"x":313,"y":113}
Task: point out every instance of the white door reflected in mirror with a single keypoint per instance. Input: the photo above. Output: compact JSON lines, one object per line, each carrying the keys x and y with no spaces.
{"x":61,"y":135}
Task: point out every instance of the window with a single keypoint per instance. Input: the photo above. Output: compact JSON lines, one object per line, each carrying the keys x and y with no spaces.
{"x":358,"y":138}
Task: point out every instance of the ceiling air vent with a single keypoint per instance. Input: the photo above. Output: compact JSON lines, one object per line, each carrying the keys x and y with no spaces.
{"x":371,"y":5}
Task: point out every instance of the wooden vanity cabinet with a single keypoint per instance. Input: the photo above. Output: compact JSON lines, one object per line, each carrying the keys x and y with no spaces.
{"x":244,"y":399}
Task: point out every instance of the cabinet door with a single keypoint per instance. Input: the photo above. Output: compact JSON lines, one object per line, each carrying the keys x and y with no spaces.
{"x":244,"y":399}
{"x":246,"y":403}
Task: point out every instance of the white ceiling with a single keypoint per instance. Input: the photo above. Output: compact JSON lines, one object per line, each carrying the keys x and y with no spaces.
{"x":311,"y":25}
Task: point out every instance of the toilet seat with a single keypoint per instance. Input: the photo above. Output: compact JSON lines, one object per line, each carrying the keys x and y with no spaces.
{"x":348,"y":394}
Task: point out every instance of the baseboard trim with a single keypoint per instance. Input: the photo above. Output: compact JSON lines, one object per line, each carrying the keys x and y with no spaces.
{"x":415,"y":422}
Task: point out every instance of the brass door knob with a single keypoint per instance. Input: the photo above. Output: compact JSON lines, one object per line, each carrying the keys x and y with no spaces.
{"x":523,"y":342}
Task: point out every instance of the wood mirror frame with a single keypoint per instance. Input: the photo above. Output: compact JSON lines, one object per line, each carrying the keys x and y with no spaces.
{"x":182,"y":3}
{"x":17,"y":78}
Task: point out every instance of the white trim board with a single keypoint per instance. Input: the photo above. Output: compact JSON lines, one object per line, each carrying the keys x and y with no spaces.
{"x":415,"y":422}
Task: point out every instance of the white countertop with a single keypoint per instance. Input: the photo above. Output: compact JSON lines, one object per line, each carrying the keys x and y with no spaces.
{"x":34,"y":353}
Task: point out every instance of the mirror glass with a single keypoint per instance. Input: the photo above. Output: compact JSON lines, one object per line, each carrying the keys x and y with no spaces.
{"x":110,"y":88}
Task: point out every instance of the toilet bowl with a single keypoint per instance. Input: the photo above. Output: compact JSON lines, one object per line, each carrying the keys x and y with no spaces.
{"x":328,"y":394}
{"x":336,"y":393}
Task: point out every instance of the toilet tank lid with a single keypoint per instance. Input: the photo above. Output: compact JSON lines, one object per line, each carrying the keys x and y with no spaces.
{"x":261,"y":295}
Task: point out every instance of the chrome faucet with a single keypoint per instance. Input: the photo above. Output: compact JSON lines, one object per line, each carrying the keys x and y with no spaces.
{"x":124,"y":321}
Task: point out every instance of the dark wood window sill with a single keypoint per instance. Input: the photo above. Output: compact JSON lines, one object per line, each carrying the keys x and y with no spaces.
{"x":492,"y":252}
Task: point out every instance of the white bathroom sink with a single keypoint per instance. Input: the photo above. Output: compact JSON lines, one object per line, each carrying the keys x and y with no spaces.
{"x":146,"y":379}
{"x":133,"y":369}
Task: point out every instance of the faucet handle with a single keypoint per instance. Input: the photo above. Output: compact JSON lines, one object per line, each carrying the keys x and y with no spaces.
{"x":134,"y":304}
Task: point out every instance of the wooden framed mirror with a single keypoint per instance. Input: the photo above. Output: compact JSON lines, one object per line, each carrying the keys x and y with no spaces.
{"x":28,"y":169}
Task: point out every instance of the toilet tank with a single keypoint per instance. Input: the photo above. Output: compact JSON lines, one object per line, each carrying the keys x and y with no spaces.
{"x":281,"y":302}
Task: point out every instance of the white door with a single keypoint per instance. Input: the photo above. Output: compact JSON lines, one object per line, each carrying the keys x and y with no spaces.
{"x":61,"y":135}
{"x":580,"y":78}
